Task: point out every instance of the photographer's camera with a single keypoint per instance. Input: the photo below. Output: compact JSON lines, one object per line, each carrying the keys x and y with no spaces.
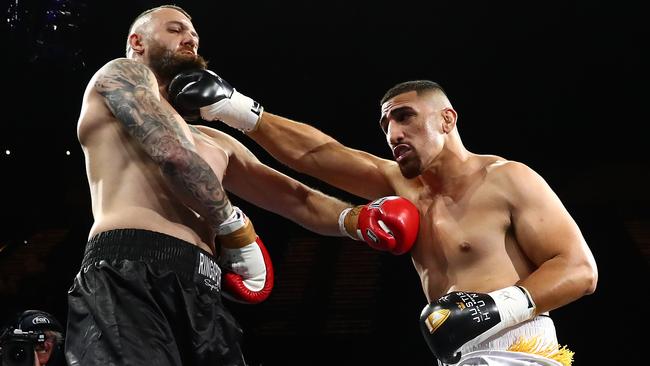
{"x":17,"y":347}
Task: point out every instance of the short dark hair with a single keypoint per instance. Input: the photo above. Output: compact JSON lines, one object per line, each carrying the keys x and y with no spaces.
{"x":419,"y":86}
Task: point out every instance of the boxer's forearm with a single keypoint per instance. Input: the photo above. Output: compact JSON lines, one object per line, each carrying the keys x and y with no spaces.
{"x":293,"y":143}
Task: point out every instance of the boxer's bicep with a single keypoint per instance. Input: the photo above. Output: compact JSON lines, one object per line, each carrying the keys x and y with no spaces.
{"x":130,"y":92}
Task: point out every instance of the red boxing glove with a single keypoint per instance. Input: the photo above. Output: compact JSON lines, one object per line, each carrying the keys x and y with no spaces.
{"x":388,"y":224}
{"x":248,"y":272}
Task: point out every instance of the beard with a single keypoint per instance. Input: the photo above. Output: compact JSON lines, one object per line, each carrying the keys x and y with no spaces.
{"x":167,"y":64}
{"x":410,"y":167}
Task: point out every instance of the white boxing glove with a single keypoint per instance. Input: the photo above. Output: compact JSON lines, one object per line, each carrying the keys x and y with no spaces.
{"x":247,"y":268}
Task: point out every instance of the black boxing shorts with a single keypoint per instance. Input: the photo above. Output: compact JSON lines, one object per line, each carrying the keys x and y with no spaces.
{"x":146,"y":298}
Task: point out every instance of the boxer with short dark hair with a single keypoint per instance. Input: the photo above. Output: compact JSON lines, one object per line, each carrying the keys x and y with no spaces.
{"x":496,"y":250}
{"x":150,"y":287}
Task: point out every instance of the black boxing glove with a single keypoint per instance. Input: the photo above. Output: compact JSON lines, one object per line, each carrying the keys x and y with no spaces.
{"x":461,"y":318}
{"x":214,"y":99}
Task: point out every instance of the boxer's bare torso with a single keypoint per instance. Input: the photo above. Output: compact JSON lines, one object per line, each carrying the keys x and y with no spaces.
{"x":466,"y":240}
{"x":126,"y":186}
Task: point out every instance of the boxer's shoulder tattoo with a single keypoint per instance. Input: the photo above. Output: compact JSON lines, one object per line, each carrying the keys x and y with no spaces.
{"x":128,"y":87}
{"x":129,"y":90}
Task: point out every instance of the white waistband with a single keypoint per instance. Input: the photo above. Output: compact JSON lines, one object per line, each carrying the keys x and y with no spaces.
{"x":541,"y":327}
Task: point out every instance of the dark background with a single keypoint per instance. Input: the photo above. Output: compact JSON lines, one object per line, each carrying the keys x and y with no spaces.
{"x":558,"y":86}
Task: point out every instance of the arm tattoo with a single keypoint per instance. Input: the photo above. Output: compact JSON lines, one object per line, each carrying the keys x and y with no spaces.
{"x":127,"y":88}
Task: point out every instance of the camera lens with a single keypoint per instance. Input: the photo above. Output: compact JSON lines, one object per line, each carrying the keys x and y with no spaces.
{"x":18,"y":353}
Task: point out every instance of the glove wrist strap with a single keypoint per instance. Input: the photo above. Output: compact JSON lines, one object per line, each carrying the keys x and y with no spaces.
{"x":250,"y":111}
{"x":515,"y":305}
{"x":348,"y":222}
{"x":531,"y":303}
{"x":239,"y":238}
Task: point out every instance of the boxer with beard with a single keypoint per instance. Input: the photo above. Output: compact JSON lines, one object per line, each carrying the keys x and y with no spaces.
{"x":148,"y":288}
{"x":149,"y":291}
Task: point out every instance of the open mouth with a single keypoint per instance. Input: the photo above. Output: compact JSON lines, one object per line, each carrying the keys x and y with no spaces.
{"x":401,"y":151}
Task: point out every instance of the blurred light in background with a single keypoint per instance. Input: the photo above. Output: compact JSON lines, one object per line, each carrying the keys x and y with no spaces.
{"x":48,"y":31}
